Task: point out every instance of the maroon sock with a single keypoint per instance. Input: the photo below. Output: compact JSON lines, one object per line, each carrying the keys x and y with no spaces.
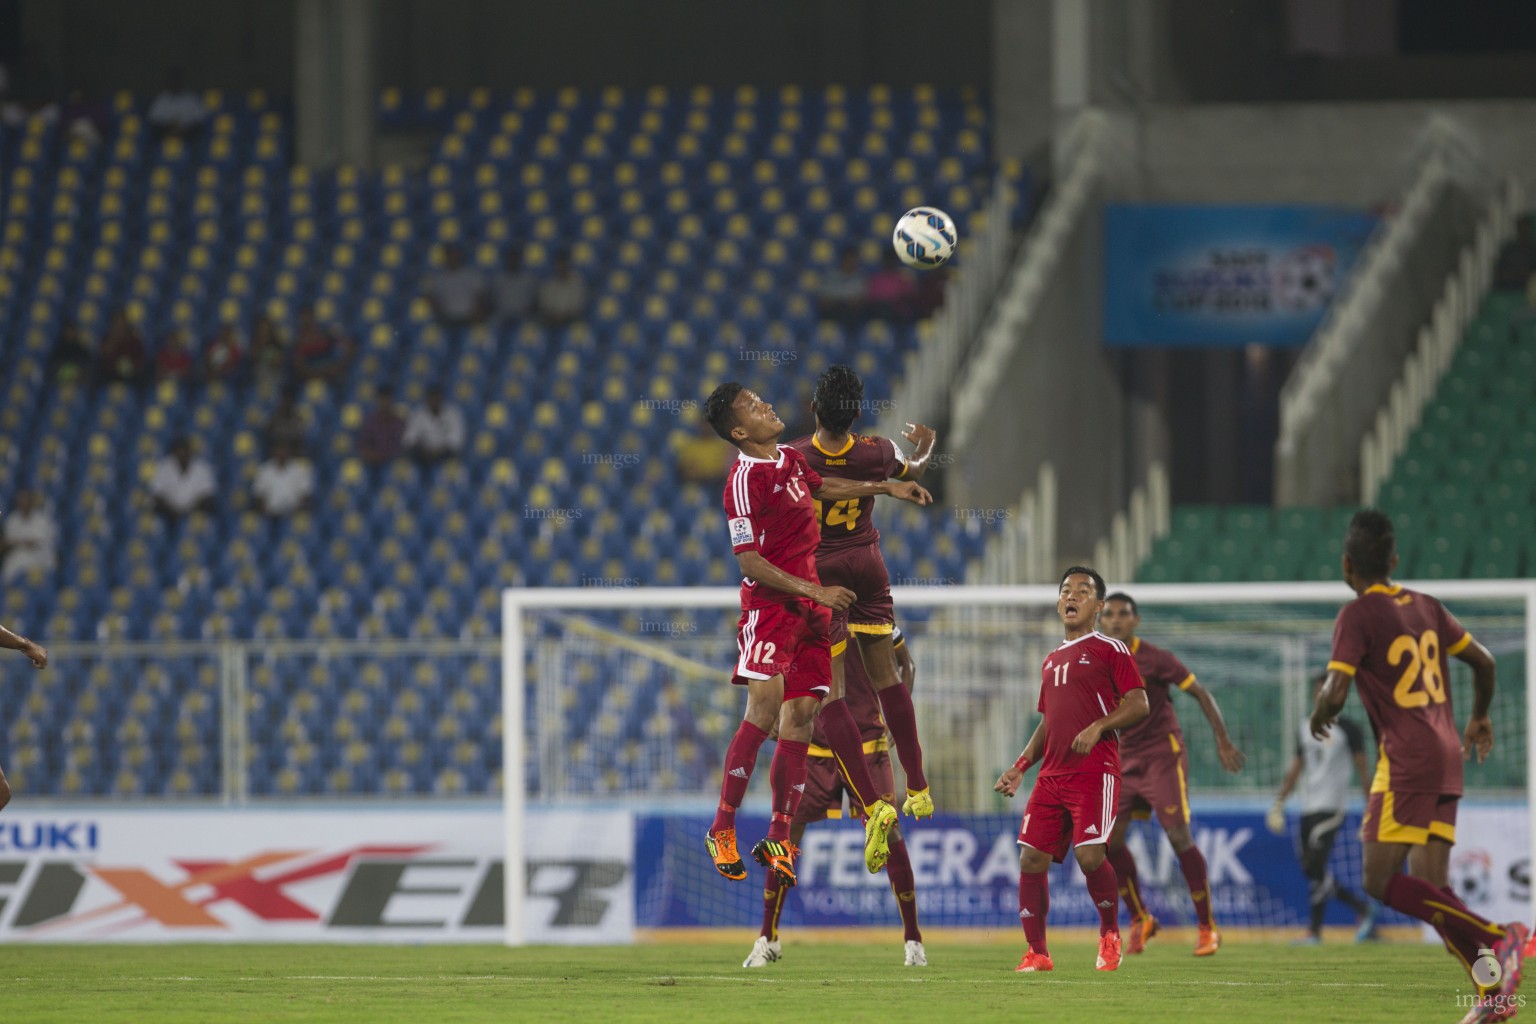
{"x":1463,"y":931}
{"x":1102,"y":888}
{"x":786,"y":777}
{"x":1193,"y":863}
{"x":740,"y":759}
{"x":901,"y":720}
{"x":773,"y":905}
{"x":847,"y":745}
{"x":899,"y":871}
{"x":1125,"y":873}
{"x":1034,"y":902}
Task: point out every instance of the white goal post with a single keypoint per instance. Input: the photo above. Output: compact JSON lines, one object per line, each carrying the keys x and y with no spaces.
{"x":519,"y":604}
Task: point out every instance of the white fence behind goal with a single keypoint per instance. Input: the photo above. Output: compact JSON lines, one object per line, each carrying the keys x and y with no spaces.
{"x":625,"y":699}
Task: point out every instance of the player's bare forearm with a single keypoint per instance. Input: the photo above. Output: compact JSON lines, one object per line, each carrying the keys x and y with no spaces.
{"x":924,"y":438}
{"x":1289,"y":782}
{"x":758,"y":569}
{"x":1133,"y":708}
{"x":33,"y":650}
{"x":836,"y":488}
{"x":1480,"y":660}
{"x":1232,"y":759}
{"x":1330,"y":701}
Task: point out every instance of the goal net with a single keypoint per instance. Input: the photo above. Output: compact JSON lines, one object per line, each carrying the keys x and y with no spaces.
{"x":626,"y":711}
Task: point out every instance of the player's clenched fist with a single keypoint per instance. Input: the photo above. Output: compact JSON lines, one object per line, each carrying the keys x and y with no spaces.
{"x":836,"y":598}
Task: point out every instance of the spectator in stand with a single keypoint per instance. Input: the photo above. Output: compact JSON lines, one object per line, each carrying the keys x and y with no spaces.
{"x":1515,"y":268}
{"x":701,"y":458}
{"x":270,"y":349}
{"x":435,"y":430}
{"x":930,"y":291}
{"x":181,"y":483}
{"x":283,"y":484}
{"x":177,"y":110}
{"x":320,"y":352}
{"x":841,"y":295}
{"x":84,"y":119}
{"x":380,"y":437}
{"x":72,"y":356}
{"x":122,"y":355}
{"x":514,"y":289}
{"x":892,"y":293}
{"x":175,"y":360}
{"x":29,"y":537}
{"x":562,"y":298}
{"x":225,"y":354}
{"x":458,"y":292}
{"x":288,"y":427}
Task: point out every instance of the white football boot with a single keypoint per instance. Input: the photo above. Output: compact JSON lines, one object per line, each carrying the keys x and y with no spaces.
{"x":765,"y":952}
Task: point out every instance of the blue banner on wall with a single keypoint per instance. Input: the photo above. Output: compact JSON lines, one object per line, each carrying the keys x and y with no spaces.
{"x":967,"y":872}
{"x":1224,"y":275}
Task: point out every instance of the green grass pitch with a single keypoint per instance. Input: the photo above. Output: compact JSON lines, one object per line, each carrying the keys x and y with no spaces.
{"x":967,"y":982}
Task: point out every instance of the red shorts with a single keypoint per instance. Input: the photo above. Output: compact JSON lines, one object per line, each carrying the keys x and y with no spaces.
{"x":825,"y":789}
{"x":1156,"y":785}
{"x":1069,"y":810}
{"x":1409,"y":818}
{"x":792,"y":640}
{"x":862,"y":570}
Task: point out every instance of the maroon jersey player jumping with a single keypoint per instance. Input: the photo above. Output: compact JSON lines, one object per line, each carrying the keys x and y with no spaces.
{"x":1154,"y":775}
{"x":784,"y":632}
{"x":1089,"y":689}
{"x":1393,"y":642}
{"x":849,"y":556}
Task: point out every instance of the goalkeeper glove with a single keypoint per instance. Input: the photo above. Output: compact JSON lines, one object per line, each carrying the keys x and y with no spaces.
{"x":1275,"y":819}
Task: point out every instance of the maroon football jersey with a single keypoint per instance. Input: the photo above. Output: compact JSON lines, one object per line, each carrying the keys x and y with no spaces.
{"x":769,"y":509}
{"x":1082,"y":681}
{"x":1394,"y":642}
{"x":849,"y":523}
{"x":1158,"y":734}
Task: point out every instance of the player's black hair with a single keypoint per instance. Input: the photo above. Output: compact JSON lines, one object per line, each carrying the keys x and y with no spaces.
{"x":1370,"y":544}
{"x":1073,"y":570}
{"x":838,"y":398}
{"x":720,"y":409}
{"x":1121,"y":595}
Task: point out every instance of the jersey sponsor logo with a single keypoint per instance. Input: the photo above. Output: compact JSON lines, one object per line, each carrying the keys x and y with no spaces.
{"x":1085,"y":660}
{"x":777,"y":488}
{"x":741,"y":531}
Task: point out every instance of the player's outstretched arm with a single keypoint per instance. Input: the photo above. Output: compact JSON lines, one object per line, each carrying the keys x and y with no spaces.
{"x":1275,"y":819}
{"x":1133,"y":708}
{"x":755,"y":567}
{"x":35,"y":651}
{"x":835,"y":488}
{"x":923,"y":439}
{"x":1479,"y":735}
{"x":1232,"y":759}
{"x":1008,"y":782}
{"x":1330,"y":701}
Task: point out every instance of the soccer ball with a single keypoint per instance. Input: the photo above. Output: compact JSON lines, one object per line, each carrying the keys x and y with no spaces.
{"x":924,"y":237}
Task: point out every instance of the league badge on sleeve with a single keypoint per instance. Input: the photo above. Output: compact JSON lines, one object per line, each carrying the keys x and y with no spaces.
{"x":741,"y":531}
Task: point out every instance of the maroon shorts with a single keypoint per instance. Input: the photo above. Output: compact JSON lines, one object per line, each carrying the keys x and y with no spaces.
{"x":1156,"y":785}
{"x":825,"y":788}
{"x":862,"y":570}
{"x":1069,"y":810}
{"x":1415,"y":818}
{"x":791,"y":639}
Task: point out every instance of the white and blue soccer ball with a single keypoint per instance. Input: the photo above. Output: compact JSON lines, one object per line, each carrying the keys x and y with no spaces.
{"x":924,"y":237}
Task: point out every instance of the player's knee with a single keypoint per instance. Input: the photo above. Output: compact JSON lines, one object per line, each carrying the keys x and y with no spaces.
{"x":1374,"y":880}
{"x":1179,"y":837}
{"x":1089,"y":858}
{"x":1033,"y":861}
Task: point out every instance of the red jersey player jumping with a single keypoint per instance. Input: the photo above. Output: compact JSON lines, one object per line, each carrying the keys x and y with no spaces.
{"x":786,"y":618}
{"x":1393,"y":643}
{"x":1154,"y":772}
{"x":1089,"y":688}
{"x":849,"y":556}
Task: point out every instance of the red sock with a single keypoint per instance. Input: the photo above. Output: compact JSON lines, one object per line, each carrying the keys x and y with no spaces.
{"x":1463,"y":931}
{"x":786,"y":777}
{"x":740,"y":759}
{"x":847,"y":745}
{"x":1102,"y":889}
{"x":899,"y":871}
{"x":773,"y":905}
{"x":901,"y":720}
{"x":1193,"y":863}
{"x":1125,"y":873}
{"x":1034,"y":902}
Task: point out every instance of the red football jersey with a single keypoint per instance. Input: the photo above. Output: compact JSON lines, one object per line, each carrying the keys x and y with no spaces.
{"x":769,"y":509}
{"x":1394,"y":643}
{"x":1082,"y":681}
{"x":850,"y":523}
{"x":1157,"y":734}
